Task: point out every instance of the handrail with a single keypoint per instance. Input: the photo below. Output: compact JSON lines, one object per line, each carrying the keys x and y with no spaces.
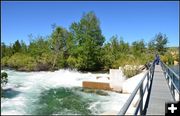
{"x":149,"y":76}
{"x":171,"y":77}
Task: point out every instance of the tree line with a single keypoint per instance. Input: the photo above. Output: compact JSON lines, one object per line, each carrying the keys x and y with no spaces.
{"x":82,"y":47}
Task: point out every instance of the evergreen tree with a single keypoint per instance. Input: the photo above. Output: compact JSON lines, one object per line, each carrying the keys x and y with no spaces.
{"x":3,"y":49}
{"x":16,"y":46}
{"x":23,"y":47}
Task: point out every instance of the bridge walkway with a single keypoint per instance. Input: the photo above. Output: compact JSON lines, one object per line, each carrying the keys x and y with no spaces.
{"x":160,"y":93}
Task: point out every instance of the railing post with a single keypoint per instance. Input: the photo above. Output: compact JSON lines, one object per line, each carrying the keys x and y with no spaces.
{"x":171,"y":79}
{"x":172,"y":86}
{"x":165,"y":73}
{"x":153,"y":67}
{"x":141,"y":99}
{"x":148,"y":81}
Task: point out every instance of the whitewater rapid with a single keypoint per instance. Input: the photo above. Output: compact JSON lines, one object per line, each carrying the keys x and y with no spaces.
{"x":25,"y":88}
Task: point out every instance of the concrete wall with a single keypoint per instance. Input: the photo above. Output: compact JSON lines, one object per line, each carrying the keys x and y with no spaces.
{"x":116,"y":79}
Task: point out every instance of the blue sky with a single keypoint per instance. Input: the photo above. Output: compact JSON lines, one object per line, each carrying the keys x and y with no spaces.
{"x":130,"y":20}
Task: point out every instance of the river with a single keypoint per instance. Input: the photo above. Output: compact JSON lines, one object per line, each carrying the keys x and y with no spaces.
{"x":175,"y":68}
{"x":58,"y":92}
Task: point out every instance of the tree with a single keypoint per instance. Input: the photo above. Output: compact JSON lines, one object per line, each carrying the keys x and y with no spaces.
{"x":23,"y":47}
{"x":161,"y":41}
{"x":158,"y":44}
{"x":115,"y":46}
{"x":3,"y":49}
{"x":151,"y":46}
{"x":88,"y":42}
{"x":138,"y":47}
{"x":16,"y":46}
{"x":6,"y":50}
{"x":38,"y":46}
{"x":124,"y":47}
{"x":108,"y":56}
{"x":58,"y":45}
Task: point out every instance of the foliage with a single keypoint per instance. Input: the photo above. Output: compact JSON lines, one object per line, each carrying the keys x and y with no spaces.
{"x":176,"y":57}
{"x":24,"y":48}
{"x":4,"y":61}
{"x":168,"y":58}
{"x":158,"y":44}
{"x":130,"y":73}
{"x":4,"y":80}
{"x":38,"y":46}
{"x":138,"y":47}
{"x":16,"y":46}
{"x":22,"y":62}
{"x":82,"y":47}
{"x":58,"y":46}
{"x":88,"y":41}
{"x":6,"y":50}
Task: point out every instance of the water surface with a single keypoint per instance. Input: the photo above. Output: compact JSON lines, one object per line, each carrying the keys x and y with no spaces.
{"x":58,"y":92}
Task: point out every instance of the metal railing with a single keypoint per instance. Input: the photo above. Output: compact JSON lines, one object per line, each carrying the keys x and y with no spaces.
{"x":142,"y":87}
{"x":171,"y":78}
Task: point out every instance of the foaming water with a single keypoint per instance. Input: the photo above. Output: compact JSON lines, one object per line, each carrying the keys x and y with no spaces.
{"x":35,"y":92}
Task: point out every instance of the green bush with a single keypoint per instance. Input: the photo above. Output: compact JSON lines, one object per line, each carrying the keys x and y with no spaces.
{"x":130,"y":73}
{"x":168,"y":58}
{"x":4,"y":61}
{"x":4,"y":80}
{"x":128,"y":60}
{"x":45,"y":58}
{"x":164,"y":58}
{"x":71,"y":61}
{"x":22,"y":62}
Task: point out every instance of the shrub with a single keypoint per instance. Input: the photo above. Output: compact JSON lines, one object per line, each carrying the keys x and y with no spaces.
{"x":130,"y":70}
{"x":4,"y":61}
{"x":22,"y":62}
{"x":164,"y":59}
{"x":45,"y":61}
{"x":130,"y":73}
{"x":4,"y":80}
{"x":71,"y":61}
